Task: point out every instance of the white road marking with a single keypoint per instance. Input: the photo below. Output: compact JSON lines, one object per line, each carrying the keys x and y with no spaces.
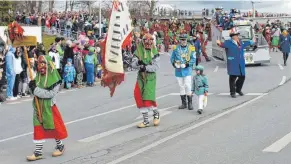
{"x":27,"y":100}
{"x":72,"y":90}
{"x":12,"y":103}
{"x":254,"y":94}
{"x":213,"y":58}
{"x":159,"y":142}
{"x":160,"y":110}
{"x":14,"y":137}
{"x":279,"y":145}
{"x":224,"y":94}
{"x":113,"y":131}
{"x":178,"y":94}
{"x":280,"y":66}
{"x":81,"y":119}
{"x":283,"y":80}
{"x":216,"y":69}
{"x":62,"y":92}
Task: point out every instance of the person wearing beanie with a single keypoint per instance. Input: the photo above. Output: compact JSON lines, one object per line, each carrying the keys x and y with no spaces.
{"x":69,"y":74}
{"x":90,"y":63}
{"x":199,"y":88}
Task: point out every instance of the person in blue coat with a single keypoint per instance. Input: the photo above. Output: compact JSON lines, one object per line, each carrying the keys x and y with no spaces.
{"x":234,"y":48}
{"x":284,"y":43}
{"x":10,"y":73}
{"x":197,"y":44}
{"x":182,"y":59}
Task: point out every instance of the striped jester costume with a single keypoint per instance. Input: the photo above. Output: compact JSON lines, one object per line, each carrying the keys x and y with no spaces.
{"x":147,"y":61}
{"x":47,"y":120}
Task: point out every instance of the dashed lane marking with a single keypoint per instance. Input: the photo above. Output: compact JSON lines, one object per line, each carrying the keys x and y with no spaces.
{"x":81,"y":119}
{"x":113,"y":131}
{"x":280,"y":66}
{"x":279,"y":145}
{"x":12,"y":103}
{"x":216,"y":69}
{"x":177,"y":134}
{"x":283,"y":80}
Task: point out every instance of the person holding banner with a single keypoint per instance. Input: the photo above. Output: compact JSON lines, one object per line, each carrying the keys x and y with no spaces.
{"x":146,"y":60}
{"x":47,"y":119}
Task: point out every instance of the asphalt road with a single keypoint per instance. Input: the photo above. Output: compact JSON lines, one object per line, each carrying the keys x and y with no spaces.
{"x":245,"y":130}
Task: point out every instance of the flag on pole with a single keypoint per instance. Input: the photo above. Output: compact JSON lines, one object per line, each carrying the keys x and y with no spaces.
{"x":118,"y":36}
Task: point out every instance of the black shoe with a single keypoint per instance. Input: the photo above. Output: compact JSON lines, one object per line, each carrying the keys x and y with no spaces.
{"x":184,"y":103}
{"x":240,"y":93}
{"x":208,"y":60}
{"x":233,"y":95}
{"x":199,"y":111}
{"x":190,"y":106}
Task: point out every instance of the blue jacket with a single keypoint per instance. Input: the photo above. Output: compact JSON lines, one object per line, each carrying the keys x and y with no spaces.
{"x":189,"y":52}
{"x":235,"y":56}
{"x":9,"y":58}
{"x":197,"y":45}
{"x":69,"y":73}
{"x":285,"y":42}
{"x":199,"y":84}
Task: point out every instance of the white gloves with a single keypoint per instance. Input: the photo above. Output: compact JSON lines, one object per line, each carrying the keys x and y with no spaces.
{"x":183,"y":65}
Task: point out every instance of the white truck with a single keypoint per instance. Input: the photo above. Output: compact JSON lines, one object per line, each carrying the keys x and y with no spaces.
{"x":254,"y":55}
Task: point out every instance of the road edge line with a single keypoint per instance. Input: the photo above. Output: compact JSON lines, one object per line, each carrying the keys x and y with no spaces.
{"x":139,"y":151}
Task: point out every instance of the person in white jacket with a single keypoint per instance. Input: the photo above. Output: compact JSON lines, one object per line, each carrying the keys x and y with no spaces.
{"x":53,"y":53}
{"x":17,"y":69}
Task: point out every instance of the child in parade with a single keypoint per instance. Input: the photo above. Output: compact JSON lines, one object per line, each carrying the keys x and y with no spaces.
{"x":199,"y":88}
{"x":69,"y":74}
{"x":48,"y":123}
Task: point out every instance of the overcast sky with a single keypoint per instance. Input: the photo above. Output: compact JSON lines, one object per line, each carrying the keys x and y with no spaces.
{"x":263,"y":5}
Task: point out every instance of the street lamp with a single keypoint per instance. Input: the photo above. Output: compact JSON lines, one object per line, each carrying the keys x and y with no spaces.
{"x":99,"y":18}
{"x":254,"y":11}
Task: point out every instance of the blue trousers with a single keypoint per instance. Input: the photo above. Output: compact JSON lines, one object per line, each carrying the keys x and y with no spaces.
{"x":90,"y":73}
{"x":10,"y":85}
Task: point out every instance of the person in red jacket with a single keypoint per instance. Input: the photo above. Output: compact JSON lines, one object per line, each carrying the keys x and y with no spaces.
{"x":203,"y":42}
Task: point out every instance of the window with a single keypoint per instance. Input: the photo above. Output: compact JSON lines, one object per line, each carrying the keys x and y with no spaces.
{"x":245,"y":32}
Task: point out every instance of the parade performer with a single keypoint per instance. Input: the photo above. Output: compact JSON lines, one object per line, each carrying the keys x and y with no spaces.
{"x":267,"y":35}
{"x":235,"y":61}
{"x":47,"y":120}
{"x":147,"y":61}
{"x":196,"y":43}
{"x":199,"y":88}
{"x":203,"y":42}
{"x":167,"y":42}
{"x":182,"y":59}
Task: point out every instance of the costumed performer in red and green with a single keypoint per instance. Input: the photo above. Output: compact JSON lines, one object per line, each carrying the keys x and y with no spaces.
{"x":47,"y":120}
{"x":147,"y":61}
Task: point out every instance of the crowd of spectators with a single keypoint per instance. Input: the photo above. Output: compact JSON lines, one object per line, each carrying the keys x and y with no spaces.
{"x":67,"y":24}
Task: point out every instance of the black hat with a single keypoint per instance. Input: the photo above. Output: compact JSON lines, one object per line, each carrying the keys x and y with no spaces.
{"x":57,"y":39}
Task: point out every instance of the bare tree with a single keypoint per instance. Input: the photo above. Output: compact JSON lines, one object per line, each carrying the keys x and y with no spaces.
{"x":40,"y":6}
{"x":51,"y":5}
{"x":66,"y":7}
